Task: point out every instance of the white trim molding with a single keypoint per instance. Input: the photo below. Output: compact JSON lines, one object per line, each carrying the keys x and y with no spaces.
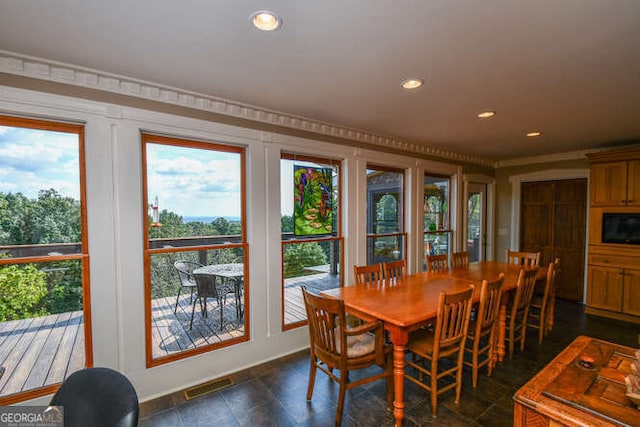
{"x":548,"y":175}
{"x":37,"y":68}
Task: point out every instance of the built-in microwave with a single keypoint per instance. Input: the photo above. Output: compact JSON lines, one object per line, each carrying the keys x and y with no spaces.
{"x":621,"y":228}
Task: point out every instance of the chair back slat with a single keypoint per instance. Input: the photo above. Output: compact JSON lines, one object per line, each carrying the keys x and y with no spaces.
{"x":522,"y":259}
{"x":489,"y":307}
{"x":460,"y":260}
{"x":367,"y":273}
{"x":524,"y":288}
{"x":454,"y":310}
{"x":437,"y":263}
{"x":395,"y":269}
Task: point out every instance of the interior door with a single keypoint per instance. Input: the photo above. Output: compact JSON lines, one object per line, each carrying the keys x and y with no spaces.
{"x":476,"y":232}
{"x":553,"y":222}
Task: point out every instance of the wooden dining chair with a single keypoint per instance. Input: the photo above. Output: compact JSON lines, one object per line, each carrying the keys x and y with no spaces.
{"x":522,"y":259}
{"x":446,"y":341}
{"x":539,"y":309}
{"x":334,"y":346}
{"x":460,"y":259}
{"x":437,"y":263}
{"x":368,"y":273}
{"x":481,"y":335}
{"x":395,"y":269}
{"x":518,"y":313}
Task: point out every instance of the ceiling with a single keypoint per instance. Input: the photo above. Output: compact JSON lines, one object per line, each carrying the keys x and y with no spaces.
{"x":567,"y":68}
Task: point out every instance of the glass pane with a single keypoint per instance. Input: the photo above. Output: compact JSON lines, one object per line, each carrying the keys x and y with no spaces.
{"x":384,"y":201}
{"x":39,"y":192}
{"x":314,"y":264}
{"x":436,"y":203}
{"x":385,"y":248}
{"x":193,"y":192}
{"x":474,"y":228}
{"x":323,"y":215}
{"x":186,"y":315}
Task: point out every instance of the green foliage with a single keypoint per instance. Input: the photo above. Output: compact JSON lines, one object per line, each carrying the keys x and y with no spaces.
{"x":22,"y":287}
{"x":299,"y":256}
{"x":286,"y":223}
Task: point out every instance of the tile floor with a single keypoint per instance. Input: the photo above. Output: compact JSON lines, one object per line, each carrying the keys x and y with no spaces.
{"x":273,"y":394}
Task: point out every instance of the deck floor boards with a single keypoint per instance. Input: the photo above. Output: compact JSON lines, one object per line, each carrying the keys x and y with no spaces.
{"x":44,"y":350}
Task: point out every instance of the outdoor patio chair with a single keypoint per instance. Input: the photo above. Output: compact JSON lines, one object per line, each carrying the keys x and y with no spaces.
{"x":187,"y":282}
{"x":208,"y":287}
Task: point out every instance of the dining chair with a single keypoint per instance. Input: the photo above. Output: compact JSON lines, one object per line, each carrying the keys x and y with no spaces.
{"x":335,"y":346}
{"x":437,"y":262}
{"x":208,"y":287}
{"x":481,"y":335}
{"x":539,"y":309}
{"x":522,"y":259}
{"x":395,"y":269}
{"x":518,"y":313}
{"x":445,"y":341}
{"x":184,"y":269}
{"x":368,"y":273}
{"x":460,"y":259}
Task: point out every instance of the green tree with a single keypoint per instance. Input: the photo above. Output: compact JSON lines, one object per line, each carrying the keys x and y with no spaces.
{"x":286,"y":223}
{"x":299,"y":256}
{"x":22,"y":287}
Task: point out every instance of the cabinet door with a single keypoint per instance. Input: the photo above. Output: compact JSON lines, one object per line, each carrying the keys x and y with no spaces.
{"x":633,"y":183}
{"x":604,"y":287}
{"x":609,"y":184}
{"x":631,"y":301}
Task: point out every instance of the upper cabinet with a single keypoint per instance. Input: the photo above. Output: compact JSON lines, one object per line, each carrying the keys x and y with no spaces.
{"x":615,"y":178}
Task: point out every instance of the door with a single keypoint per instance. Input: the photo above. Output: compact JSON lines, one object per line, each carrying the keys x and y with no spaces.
{"x":605,"y":287}
{"x":553,"y":222}
{"x":476,"y":221}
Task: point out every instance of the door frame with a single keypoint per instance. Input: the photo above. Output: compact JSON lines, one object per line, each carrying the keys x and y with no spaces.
{"x":548,"y":175}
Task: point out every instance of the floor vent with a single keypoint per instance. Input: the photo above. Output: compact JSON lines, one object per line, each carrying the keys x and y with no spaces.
{"x":206,"y":388}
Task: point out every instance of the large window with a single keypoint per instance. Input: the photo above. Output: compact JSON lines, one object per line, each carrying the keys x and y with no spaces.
{"x":386,"y":239}
{"x":196,"y":255}
{"x":44,"y":261}
{"x":437,"y":229}
{"x":311,"y":231}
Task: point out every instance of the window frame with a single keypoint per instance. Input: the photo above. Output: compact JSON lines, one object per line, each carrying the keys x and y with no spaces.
{"x":153,"y":138}
{"x":337,"y":163}
{"x":82,"y":257}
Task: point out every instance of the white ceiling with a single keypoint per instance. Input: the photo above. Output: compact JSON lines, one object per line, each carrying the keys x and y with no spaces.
{"x":568,"y":68}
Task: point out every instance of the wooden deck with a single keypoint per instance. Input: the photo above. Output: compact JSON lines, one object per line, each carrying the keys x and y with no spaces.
{"x":40,"y":351}
{"x":45,"y":350}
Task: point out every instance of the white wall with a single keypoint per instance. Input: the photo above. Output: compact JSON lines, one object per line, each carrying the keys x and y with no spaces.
{"x":114,"y":206}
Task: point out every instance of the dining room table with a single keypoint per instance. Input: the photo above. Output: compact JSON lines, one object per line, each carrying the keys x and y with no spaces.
{"x":409,"y":303}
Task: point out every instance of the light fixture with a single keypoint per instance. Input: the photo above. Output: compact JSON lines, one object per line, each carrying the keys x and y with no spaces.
{"x":534,"y":134}
{"x":412,"y":83}
{"x":486,"y":114}
{"x":265,"y":20}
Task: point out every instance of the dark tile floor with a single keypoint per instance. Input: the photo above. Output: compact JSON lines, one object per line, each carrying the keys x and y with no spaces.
{"x":273,"y":394}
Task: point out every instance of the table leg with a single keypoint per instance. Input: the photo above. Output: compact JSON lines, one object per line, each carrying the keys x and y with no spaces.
{"x":399,"y":338}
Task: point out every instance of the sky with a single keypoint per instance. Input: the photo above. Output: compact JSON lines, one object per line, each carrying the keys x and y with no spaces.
{"x":32,"y":160}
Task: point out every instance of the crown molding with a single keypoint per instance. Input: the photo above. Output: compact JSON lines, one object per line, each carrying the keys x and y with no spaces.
{"x":547,"y":158}
{"x":37,"y":68}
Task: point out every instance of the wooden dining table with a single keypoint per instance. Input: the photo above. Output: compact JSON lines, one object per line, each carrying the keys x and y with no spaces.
{"x":406,"y":304}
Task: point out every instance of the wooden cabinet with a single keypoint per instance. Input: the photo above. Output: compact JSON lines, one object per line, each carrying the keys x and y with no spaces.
{"x":613,"y":271}
{"x":614,"y":183}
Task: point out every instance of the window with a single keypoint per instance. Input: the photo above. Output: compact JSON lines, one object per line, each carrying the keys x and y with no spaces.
{"x":437,"y":229}
{"x":196,"y":255}
{"x":386,"y":239}
{"x":311,"y":231}
{"x":44,"y":259}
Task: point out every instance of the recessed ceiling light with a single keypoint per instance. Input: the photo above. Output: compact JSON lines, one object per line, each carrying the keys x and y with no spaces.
{"x":486,"y":114}
{"x":266,"y":20}
{"x":534,"y":134}
{"x":412,"y":83}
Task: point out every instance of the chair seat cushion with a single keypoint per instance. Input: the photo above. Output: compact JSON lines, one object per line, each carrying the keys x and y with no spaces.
{"x":358,"y":345}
